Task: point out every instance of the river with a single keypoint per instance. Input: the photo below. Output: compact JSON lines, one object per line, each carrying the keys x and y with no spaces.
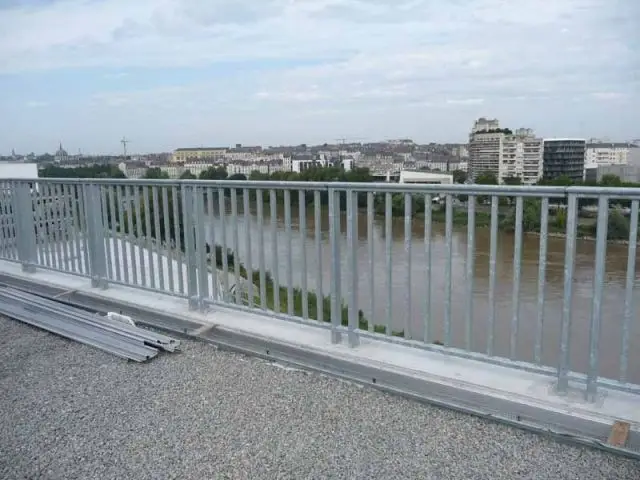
{"x":613,"y":297}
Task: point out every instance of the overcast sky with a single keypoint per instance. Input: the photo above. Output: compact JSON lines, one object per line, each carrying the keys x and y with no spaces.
{"x":176,"y":73}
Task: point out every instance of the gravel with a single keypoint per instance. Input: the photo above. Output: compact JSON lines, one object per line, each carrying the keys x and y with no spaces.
{"x":68,"y":411}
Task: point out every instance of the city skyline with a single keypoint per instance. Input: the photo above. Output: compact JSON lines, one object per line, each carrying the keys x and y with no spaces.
{"x":175,"y":73}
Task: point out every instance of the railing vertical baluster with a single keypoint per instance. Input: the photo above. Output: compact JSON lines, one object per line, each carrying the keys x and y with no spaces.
{"x":493,"y":254}
{"x":175,"y":198}
{"x":82,"y":198}
{"x":471,"y":248}
{"x":122,"y":229}
{"x":352,"y":245}
{"x":215,"y":291}
{"x":57,"y":231}
{"x":388,"y":233}
{"x":115,"y":222}
{"x":236,"y":246}
{"x":261,"y":259}
{"x":157,"y":235}
{"x":106,"y":230}
{"x":148,"y":237}
{"x":596,"y":304}
{"x":223,"y":238}
{"x":302,"y":210}
{"x":44,"y":203}
{"x":273,"y":206}
{"x":201,"y":249}
{"x":6,"y":241}
{"x":542,"y":273}
{"x":131,"y":239}
{"x":428,"y":213}
{"x":66,"y":213}
{"x":336,"y":270}
{"x":168,"y":242}
{"x":94,"y":242}
{"x":188,"y":204}
{"x":318,"y":238}
{"x":24,"y":231}
{"x":629,"y":309}
{"x":75,"y":195}
{"x":9,"y":224}
{"x":515,"y":295}
{"x":370,"y":257}
{"x":247,"y":239}
{"x":287,"y":226}
{"x":140,"y":205}
{"x":447,"y":269}
{"x":408,"y":199}
{"x":569,"y":264}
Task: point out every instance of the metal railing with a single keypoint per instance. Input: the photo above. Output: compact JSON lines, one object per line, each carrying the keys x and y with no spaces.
{"x":494,"y":273}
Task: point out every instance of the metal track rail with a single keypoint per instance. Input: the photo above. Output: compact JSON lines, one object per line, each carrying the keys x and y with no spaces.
{"x":142,"y":336}
{"x":124,"y":341}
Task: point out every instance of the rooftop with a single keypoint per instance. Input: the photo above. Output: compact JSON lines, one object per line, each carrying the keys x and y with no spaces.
{"x":70,"y":411}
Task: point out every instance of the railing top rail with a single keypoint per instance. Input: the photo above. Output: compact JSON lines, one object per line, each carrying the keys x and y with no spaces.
{"x":288,"y":185}
{"x":612,"y":192}
{"x":499,"y":190}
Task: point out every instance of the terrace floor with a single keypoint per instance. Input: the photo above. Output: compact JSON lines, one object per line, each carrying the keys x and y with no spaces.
{"x":70,"y":411}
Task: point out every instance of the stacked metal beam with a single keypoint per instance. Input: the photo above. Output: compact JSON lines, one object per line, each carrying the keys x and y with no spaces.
{"x":120,"y":339}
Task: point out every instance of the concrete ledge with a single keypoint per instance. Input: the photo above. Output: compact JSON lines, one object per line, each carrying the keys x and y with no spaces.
{"x":520,"y":398}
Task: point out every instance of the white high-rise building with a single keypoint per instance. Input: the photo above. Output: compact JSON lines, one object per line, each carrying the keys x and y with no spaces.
{"x":504,"y":153}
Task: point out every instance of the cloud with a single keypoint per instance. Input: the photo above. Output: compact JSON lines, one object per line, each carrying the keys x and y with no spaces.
{"x":608,"y":95}
{"x":276,"y":57}
{"x":36,"y":104}
{"x":466,"y":101}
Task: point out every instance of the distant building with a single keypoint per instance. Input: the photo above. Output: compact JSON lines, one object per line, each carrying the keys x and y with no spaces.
{"x":61,"y":155}
{"x":564,"y":157}
{"x":607,"y":154}
{"x":408,"y":176}
{"x":626,"y":173}
{"x":504,"y":153}
{"x":133,"y":169}
{"x":200,"y":154}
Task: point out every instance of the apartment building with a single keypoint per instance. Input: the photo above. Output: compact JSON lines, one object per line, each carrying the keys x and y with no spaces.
{"x":607,"y":154}
{"x":201,"y":154}
{"x":522,"y":156}
{"x":564,"y":157}
{"x":504,"y":153}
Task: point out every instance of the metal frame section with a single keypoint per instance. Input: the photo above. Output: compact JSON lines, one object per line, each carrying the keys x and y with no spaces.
{"x":125,"y":341}
{"x":110,"y":231}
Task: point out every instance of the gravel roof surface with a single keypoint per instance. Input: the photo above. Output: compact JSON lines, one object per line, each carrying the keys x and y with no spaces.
{"x":68,"y":411}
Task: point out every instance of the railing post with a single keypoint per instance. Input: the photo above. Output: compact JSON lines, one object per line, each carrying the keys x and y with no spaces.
{"x":334,"y":238}
{"x":188,"y":211}
{"x":596,"y":303}
{"x":569,"y":261}
{"x":23,"y":219}
{"x":95,"y":241}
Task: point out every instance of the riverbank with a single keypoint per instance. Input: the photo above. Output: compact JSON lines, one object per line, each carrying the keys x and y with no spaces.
{"x":460,"y":218}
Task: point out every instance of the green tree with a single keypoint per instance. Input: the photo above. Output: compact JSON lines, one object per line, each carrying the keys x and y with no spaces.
{"x":237,"y":177}
{"x":214,"y":173}
{"x":187,"y":175}
{"x":531,"y":212}
{"x":610,"y":181}
{"x":92,"y":171}
{"x":512,"y":180}
{"x":459,"y":176}
{"x":487,"y":178}
{"x":156,"y":173}
{"x":617,"y":226}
